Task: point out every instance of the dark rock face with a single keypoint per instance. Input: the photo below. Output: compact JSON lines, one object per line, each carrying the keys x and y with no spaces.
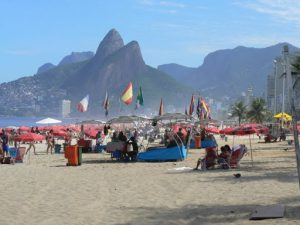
{"x":75,"y":57}
{"x":110,"y":44}
{"x":45,"y":67}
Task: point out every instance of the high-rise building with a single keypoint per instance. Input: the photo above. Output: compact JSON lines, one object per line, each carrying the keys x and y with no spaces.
{"x":65,"y":108}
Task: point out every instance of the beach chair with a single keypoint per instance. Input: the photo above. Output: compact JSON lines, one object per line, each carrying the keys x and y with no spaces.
{"x":237,"y":153}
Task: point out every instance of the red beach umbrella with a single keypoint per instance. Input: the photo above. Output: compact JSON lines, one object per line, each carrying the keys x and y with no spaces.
{"x":24,"y":129}
{"x":91,"y":133}
{"x":30,"y":137}
{"x":212,"y":130}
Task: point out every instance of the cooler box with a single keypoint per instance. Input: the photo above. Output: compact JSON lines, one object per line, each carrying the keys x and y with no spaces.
{"x":197,"y":141}
{"x":71,"y":154}
{"x":79,"y":156}
{"x":57,"y":148}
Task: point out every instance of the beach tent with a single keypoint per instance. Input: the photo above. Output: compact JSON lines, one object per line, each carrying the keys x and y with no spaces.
{"x":127,"y":119}
{"x":284,"y":116}
{"x":48,"y":121}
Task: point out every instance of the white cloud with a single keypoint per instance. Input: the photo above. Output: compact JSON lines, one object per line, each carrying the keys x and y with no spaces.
{"x":281,"y":10}
{"x":172,"y":4}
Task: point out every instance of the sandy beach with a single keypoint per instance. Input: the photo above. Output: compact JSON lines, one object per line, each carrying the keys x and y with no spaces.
{"x":45,"y":191}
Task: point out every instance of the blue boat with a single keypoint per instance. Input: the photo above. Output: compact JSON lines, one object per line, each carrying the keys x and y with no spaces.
{"x":204,"y":144}
{"x":176,"y":153}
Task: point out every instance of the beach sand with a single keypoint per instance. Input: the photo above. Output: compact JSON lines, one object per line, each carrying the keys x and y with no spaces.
{"x":45,"y":191}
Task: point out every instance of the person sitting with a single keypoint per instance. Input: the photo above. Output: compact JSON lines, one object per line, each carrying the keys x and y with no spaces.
{"x":209,"y":161}
{"x":224,"y":157}
{"x":122,"y":137}
{"x":180,"y":136}
{"x":282,"y":136}
{"x":132,"y":149}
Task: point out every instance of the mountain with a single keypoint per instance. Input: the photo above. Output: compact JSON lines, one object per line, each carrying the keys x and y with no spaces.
{"x":231,"y":71}
{"x":45,"y":67}
{"x":178,"y":72}
{"x":110,"y":69}
{"x":75,"y":57}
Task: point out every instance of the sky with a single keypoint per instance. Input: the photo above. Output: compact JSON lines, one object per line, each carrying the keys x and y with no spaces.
{"x":34,"y":32}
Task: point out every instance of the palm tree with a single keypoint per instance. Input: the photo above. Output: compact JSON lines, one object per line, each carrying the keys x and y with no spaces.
{"x":238,"y":109}
{"x":257,"y":111}
{"x":296,"y":63}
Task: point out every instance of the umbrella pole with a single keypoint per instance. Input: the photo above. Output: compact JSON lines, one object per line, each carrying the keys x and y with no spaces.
{"x":251,"y":154}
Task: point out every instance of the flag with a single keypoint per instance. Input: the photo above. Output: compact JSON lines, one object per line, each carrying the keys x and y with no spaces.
{"x":82,"y":106}
{"x":127,"y":94}
{"x":191,"y":106}
{"x":161,"y":108}
{"x":198,"y":109}
{"x":205,"y":111}
{"x":106,"y":104}
{"x":139,"y":99}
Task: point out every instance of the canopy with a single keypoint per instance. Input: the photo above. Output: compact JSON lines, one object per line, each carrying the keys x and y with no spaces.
{"x":283,"y":116}
{"x":48,"y":121}
{"x":172,"y":116}
{"x":92,"y":122}
{"x":30,"y":137}
{"x":127,"y":119}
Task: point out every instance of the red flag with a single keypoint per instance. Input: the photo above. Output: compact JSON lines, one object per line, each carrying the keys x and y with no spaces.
{"x":191,"y":106}
{"x":161,"y":108}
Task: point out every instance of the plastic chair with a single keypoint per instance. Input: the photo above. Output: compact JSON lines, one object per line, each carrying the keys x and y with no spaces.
{"x":238,"y":151}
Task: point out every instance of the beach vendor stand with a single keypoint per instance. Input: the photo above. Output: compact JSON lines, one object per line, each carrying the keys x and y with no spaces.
{"x":176,"y":152}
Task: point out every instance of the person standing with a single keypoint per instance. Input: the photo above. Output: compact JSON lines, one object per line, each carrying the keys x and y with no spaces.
{"x":4,"y":138}
{"x":50,"y":141}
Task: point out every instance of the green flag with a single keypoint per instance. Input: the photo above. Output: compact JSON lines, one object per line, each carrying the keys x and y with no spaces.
{"x":139,"y":99}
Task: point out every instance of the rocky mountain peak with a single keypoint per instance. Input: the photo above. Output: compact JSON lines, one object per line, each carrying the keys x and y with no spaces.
{"x":76,"y":57}
{"x":45,"y":67}
{"x":110,"y":44}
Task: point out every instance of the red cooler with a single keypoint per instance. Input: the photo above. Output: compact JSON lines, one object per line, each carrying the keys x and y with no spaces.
{"x":71,"y":153}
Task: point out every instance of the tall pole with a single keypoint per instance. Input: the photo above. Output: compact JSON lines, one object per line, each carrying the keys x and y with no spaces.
{"x":291,"y":95}
{"x":275,"y":88}
{"x":283,"y":97}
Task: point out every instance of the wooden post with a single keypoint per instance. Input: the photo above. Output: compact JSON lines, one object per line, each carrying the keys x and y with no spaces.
{"x":251,"y":151}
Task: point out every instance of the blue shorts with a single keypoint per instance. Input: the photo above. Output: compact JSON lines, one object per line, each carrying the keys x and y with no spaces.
{"x":5,"y":148}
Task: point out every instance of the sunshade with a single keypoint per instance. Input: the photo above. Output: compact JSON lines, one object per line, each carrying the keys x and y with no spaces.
{"x":48,"y":121}
{"x":172,"y":116}
{"x":30,"y":137}
{"x":127,"y":119}
{"x":92,"y":122}
{"x":283,"y":116}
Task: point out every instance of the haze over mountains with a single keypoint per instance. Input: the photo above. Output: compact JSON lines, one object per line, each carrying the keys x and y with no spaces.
{"x":231,"y":71}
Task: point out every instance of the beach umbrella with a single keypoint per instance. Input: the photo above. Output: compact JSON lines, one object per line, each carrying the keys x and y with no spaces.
{"x":30,"y":137}
{"x":91,"y":133}
{"x":127,"y":119}
{"x":284,"y":116}
{"x":59,"y":133}
{"x":48,"y":121}
{"x":172,"y":116}
{"x":92,"y":122}
{"x":24,"y":129}
{"x":213,"y":130}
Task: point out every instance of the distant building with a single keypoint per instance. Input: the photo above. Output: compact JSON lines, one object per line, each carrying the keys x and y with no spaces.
{"x":249,"y":97}
{"x":65,"y":108}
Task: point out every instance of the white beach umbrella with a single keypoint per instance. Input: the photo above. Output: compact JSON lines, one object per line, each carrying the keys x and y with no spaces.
{"x":48,"y":121}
